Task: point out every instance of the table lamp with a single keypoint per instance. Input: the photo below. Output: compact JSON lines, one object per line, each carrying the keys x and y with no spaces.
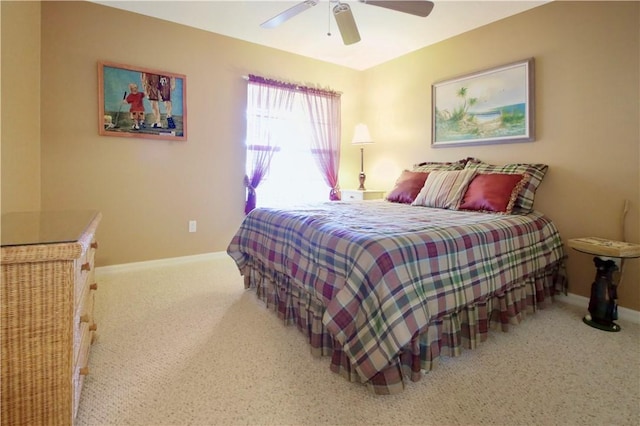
{"x":361,"y":136}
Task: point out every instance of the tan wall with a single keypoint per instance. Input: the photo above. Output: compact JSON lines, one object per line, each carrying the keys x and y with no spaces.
{"x":587,"y":123}
{"x":20,"y":116}
{"x":148,"y":190}
{"x":587,"y":81}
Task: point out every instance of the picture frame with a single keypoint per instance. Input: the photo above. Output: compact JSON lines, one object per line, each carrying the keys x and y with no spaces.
{"x":140,"y":102}
{"x":493,"y":106}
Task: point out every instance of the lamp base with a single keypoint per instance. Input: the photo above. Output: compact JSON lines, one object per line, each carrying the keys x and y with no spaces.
{"x":362,"y":178}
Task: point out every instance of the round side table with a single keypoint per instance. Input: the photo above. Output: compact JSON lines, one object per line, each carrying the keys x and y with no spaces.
{"x":609,"y":258}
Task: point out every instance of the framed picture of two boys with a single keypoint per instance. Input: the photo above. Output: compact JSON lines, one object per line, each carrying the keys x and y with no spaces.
{"x":141,"y":102}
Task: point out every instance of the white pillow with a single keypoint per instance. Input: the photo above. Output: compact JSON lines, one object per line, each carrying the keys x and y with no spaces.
{"x":444,"y":189}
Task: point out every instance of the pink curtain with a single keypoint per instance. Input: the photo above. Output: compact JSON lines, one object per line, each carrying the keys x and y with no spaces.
{"x":324,"y":113}
{"x":266,"y":102}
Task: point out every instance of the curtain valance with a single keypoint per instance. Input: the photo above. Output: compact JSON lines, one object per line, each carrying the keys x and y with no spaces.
{"x":292,"y":86}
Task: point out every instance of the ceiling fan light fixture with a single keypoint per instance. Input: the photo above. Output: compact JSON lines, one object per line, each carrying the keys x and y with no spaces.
{"x":346,"y":23}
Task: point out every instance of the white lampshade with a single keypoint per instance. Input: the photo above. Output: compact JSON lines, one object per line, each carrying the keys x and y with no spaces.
{"x":361,"y":135}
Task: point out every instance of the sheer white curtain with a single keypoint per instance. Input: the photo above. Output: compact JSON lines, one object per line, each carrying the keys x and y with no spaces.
{"x":323,"y":112}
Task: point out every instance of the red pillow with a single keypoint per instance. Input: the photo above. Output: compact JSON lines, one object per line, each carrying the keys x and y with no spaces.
{"x":407,"y":187}
{"x":493,"y":192}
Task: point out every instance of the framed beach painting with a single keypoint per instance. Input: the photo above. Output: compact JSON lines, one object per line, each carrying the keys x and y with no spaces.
{"x":487,"y":107}
{"x":141,"y":102}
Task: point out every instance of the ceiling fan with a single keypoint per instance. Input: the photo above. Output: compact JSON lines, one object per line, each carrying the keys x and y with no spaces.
{"x":344,"y":17}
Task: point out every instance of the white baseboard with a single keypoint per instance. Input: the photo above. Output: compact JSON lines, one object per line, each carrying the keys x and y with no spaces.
{"x":625,"y":314}
{"x":136,"y":266}
{"x":571,"y":299}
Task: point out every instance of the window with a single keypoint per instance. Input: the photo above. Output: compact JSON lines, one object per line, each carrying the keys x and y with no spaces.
{"x":290,"y":135}
{"x":293,"y":176}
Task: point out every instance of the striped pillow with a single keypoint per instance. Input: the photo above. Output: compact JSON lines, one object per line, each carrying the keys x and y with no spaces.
{"x":526,"y":196}
{"x":444,"y":189}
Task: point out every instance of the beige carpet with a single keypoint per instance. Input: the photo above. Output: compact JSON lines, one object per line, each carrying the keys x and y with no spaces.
{"x":187,"y":345}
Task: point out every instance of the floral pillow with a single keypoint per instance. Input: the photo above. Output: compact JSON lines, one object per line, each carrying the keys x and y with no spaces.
{"x":407,"y":187}
{"x":444,"y":189}
{"x":493,"y":192}
{"x":526,"y":195}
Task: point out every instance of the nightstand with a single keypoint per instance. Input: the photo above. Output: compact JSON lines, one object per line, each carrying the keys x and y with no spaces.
{"x":609,"y":258}
{"x":358,"y":195}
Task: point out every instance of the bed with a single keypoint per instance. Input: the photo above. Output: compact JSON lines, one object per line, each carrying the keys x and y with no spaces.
{"x":385,"y":288}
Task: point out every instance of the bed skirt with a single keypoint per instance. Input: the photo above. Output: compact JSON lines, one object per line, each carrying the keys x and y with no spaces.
{"x":444,"y":336}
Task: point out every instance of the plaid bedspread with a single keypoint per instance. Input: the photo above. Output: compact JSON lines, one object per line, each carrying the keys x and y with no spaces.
{"x":385,"y":270}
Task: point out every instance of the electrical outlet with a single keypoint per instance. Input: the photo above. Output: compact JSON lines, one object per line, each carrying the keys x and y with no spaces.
{"x":192,"y":226}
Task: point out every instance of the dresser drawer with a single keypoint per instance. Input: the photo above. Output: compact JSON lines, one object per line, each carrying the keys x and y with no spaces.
{"x":83,"y":315}
{"x":81,"y":365}
{"x":357,"y":195}
{"x":84,"y":271}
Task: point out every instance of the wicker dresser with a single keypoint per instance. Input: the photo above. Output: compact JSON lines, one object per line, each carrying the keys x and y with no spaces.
{"x":47,"y":323}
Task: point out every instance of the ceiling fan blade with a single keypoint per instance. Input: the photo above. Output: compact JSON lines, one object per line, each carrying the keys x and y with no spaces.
{"x":288,"y":14}
{"x":420,"y":8}
{"x":346,"y":24}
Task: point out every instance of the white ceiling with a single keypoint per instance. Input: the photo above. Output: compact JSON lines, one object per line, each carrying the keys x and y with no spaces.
{"x":386,"y":34}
